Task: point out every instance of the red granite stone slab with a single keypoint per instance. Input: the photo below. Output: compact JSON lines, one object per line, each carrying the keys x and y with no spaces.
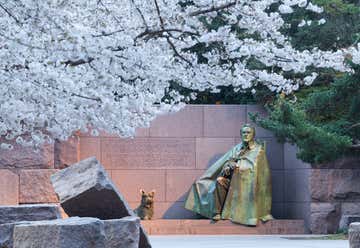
{"x":26,"y":157}
{"x":90,"y":146}
{"x":66,"y":152}
{"x":188,"y":122}
{"x":224,"y":120}
{"x":35,"y":186}
{"x":139,"y":132}
{"x":207,"y":227}
{"x":145,"y":153}
{"x":208,"y":150}
{"x":178,"y":183}
{"x":129,"y":183}
{"x":9,"y":188}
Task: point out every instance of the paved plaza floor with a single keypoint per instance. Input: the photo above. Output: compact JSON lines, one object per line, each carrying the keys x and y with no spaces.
{"x":243,"y":241}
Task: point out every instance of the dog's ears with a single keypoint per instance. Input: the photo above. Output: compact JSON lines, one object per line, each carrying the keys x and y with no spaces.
{"x":142,"y":192}
{"x":152,"y":192}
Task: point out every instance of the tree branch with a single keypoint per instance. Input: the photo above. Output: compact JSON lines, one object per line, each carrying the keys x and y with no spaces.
{"x":87,"y":97}
{"x":108,"y":34}
{"x":159,"y":15}
{"x":38,"y":84}
{"x":141,"y":15}
{"x":77,"y":62}
{"x":154,"y":33}
{"x":212,"y":9}
{"x":176,"y":52}
{"x":354,"y":125}
{"x":10,"y":14}
{"x":108,"y":11}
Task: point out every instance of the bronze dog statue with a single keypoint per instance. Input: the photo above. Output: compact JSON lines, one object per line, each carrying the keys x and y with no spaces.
{"x":146,"y":208}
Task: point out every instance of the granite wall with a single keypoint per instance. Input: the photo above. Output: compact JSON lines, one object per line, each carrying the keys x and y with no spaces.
{"x":167,"y":157}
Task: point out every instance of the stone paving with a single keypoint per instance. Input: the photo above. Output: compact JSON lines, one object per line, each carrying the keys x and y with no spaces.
{"x":238,"y":241}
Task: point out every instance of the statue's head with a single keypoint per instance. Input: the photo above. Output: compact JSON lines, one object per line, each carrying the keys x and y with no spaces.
{"x":247,"y":133}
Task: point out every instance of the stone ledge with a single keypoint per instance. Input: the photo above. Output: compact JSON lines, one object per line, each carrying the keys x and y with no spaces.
{"x":206,"y":227}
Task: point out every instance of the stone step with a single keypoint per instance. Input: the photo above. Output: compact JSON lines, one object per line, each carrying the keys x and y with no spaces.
{"x":207,"y":227}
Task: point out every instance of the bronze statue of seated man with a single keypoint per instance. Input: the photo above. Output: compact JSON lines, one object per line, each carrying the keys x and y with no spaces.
{"x":237,"y":186}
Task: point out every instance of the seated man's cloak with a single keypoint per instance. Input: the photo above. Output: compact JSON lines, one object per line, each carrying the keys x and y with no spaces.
{"x":249,"y":196}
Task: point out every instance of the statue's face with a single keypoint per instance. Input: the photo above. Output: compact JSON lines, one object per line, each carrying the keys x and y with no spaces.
{"x":247,"y":134}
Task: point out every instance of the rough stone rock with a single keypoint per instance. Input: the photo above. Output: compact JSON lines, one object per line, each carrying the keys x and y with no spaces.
{"x":350,"y":208}
{"x":16,"y":213}
{"x":117,"y":233}
{"x":342,"y":163}
{"x":324,"y":217}
{"x":84,"y":189}
{"x":6,"y":237}
{"x":72,"y":232}
{"x":6,"y":234}
{"x":122,"y":233}
{"x":346,"y":185}
{"x":35,"y":186}
{"x":346,"y":220}
{"x":354,"y":235}
{"x":319,"y":184}
{"x":335,"y":184}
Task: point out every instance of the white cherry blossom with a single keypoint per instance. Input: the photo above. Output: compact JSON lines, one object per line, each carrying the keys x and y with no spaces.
{"x":68,"y":65}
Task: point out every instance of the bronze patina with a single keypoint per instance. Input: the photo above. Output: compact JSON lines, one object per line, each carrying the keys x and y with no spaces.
{"x":236,"y":187}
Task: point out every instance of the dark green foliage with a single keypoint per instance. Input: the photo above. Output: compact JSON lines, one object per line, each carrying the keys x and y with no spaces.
{"x":342,"y":27}
{"x":324,"y":121}
{"x":324,"y":124}
{"x":226,"y":95}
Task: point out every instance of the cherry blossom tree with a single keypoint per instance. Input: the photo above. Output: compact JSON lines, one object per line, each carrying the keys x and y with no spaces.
{"x":68,"y":65}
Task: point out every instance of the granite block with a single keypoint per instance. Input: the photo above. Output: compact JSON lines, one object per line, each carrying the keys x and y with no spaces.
{"x":148,"y":153}
{"x":224,"y":120}
{"x":188,"y":122}
{"x":90,"y":147}
{"x":129,"y":182}
{"x":178,"y":183}
{"x":35,"y":186}
{"x":9,"y":188}
{"x":209,"y":150}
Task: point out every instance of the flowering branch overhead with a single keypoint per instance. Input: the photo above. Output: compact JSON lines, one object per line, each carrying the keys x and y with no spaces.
{"x":108,"y":64}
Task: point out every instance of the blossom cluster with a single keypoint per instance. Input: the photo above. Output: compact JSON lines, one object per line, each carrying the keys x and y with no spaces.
{"x":70,"y":65}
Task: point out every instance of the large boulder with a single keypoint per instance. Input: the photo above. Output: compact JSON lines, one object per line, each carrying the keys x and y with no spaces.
{"x":122,"y":233}
{"x":72,"y":232}
{"x":354,"y":235}
{"x":84,"y":189}
{"x":335,"y":185}
{"x":324,"y":217}
{"x":346,"y":220}
{"x":64,"y":233}
{"x":6,"y":233}
{"x":31,"y":212}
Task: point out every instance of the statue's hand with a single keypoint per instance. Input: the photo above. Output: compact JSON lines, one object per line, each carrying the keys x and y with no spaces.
{"x":223,"y":182}
{"x":227,"y":171}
